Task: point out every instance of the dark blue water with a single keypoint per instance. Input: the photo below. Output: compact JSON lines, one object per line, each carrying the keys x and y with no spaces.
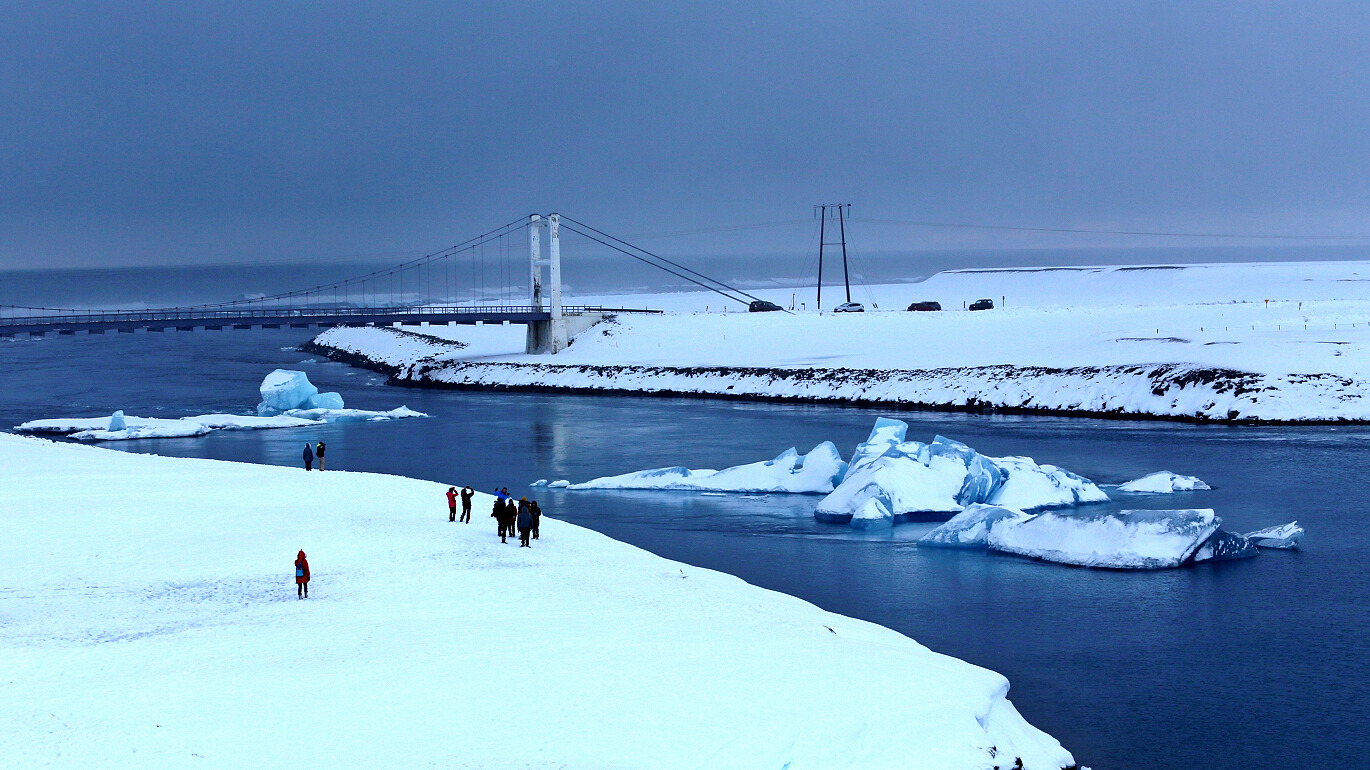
{"x":1250,"y":664}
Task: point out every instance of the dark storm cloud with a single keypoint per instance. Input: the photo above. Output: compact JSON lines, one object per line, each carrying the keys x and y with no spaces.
{"x":139,"y":133}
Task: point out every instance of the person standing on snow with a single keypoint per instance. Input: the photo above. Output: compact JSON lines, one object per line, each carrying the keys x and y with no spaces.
{"x":318,"y":452}
{"x":301,"y":575}
{"x":466,"y":494}
{"x":525,"y":522}
{"x":451,"y":503}
{"x":498,"y":516}
{"x":537,"y":516}
{"x":308,"y":457}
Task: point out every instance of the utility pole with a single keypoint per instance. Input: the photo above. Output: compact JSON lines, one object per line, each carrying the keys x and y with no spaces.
{"x":821,"y":210}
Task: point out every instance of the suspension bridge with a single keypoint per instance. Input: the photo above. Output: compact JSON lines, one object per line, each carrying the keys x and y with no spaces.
{"x":441,"y":288}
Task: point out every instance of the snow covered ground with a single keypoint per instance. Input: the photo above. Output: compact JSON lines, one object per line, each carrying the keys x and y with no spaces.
{"x":149,"y":621}
{"x":1268,"y":342}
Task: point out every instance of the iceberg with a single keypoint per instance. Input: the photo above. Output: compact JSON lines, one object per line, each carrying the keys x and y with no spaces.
{"x":929,"y":482}
{"x":983,"y":477}
{"x":559,"y":484}
{"x":1029,"y":486}
{"x":872,"y":515}
{"x":1116,"y":539}
{"x":286,"y":390}
{"x":143,"y":427}
{"x":1223,"y":546}
{"x":1163,"y":482}
{"x":815,"y":473}
{"x":970,"y":528}
{"x":886,"y":434}
{"x":116,"y":421}
{"x":907,"y":481}
{"x":1283,"y":536}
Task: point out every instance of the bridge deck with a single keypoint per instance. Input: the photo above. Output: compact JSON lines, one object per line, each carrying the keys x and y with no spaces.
{"x":187,"y":319}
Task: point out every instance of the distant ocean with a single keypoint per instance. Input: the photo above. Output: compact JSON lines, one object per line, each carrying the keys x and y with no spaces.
{"x":592,"y":274}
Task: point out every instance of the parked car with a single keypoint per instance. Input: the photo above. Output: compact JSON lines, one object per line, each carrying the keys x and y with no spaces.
{"x":925,"y":306}
{"x":982,"y":304}
{"x":762,"y":306}
{"x":850,"y":307}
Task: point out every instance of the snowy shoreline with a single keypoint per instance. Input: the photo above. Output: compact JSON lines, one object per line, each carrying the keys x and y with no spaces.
{"x":161,"y":638}
{"x":1174,"y":392}
{"x":1269,"y":343}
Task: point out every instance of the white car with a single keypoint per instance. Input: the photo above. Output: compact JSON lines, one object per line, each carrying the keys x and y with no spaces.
{"x":850,"y":307}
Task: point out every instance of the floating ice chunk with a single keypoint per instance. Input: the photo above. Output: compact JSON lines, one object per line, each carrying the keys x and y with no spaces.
{"x":144,"y":427}
{"x":1117,"y":539}
{"x":286,"y":389}
{"x":559,"y":484}
{"x":324,"y":401}
{"x":352,"y":415}
{"x":1283,"y":536}
{"x":1029,"y":486}
{"x":885,"y":434}
{"x":814,"y":473}
{"x":970,"y":528}
{"x":116,"y":421}
{"x":906,"y":487}
{"x":248,"y":422}
{"x":1163,"y":482}
{"x":983,"y":477}
{"x":539,"y":483}
{"x":1223,"y":546}
{"x":872,"y":515}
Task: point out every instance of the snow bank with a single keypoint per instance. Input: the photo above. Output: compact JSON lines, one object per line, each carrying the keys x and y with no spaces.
{"x":1282,"y":536}
{"x":970,"y":528}
{"x":1118,"y":539}
{"x":916,"y":481}
{"x":155,"y":638}
{"x":1189,"y":343}
{"x":1163,"y":482}
{"x":813,"y":473}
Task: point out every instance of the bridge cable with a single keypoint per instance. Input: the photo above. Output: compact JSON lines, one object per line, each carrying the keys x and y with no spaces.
{"x":659,"y":267}
{"x":662,"y":259}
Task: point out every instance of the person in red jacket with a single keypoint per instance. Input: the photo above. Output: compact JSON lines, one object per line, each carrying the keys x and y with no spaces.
{"x":451,"y":503}
{"x":301,"y":576}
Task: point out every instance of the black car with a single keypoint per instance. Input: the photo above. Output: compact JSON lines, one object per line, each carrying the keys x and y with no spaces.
{"x":925,"y":306}
{"x":762,"y":306}
{"x":982,"y":304}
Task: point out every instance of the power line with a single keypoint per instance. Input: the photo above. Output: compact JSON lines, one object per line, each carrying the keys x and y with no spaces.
{"x":724,"y":229}
{"x":967,"y":226}
{"x":659,"y":267}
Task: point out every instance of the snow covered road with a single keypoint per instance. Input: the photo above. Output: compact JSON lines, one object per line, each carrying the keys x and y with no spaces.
{"x":147,"y":619}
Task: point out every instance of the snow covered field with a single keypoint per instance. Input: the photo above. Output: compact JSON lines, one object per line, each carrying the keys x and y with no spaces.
{"x":149,"y":621}
{"x":1262,"y":342}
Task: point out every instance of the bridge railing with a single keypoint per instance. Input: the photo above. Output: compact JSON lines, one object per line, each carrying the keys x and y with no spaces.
{"x":267,"y":314}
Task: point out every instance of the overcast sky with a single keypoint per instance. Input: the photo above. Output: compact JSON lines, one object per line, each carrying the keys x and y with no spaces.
{"x":141,"y":133}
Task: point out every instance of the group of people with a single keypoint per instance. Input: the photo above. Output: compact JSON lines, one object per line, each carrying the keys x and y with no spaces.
{"x":525,"y":516}
{"x":311,"y":452}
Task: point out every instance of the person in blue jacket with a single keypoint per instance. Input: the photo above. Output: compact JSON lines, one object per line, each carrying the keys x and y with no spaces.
{"x":308,"y":457}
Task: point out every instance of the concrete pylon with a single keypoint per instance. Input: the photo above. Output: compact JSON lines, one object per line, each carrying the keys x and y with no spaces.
{"x":549,"y":336}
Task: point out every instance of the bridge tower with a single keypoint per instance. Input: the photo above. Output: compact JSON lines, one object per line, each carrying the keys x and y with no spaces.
{"x":546,"y":336}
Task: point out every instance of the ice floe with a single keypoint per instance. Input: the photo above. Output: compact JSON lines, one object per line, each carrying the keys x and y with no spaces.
{"x":970,"y":528}
{"x":1163,"y":482}
{"x":814,"y":473}
{"x":1116,"y":539}
{"x":1223,"y":546}
{"x":1283,"y":536}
